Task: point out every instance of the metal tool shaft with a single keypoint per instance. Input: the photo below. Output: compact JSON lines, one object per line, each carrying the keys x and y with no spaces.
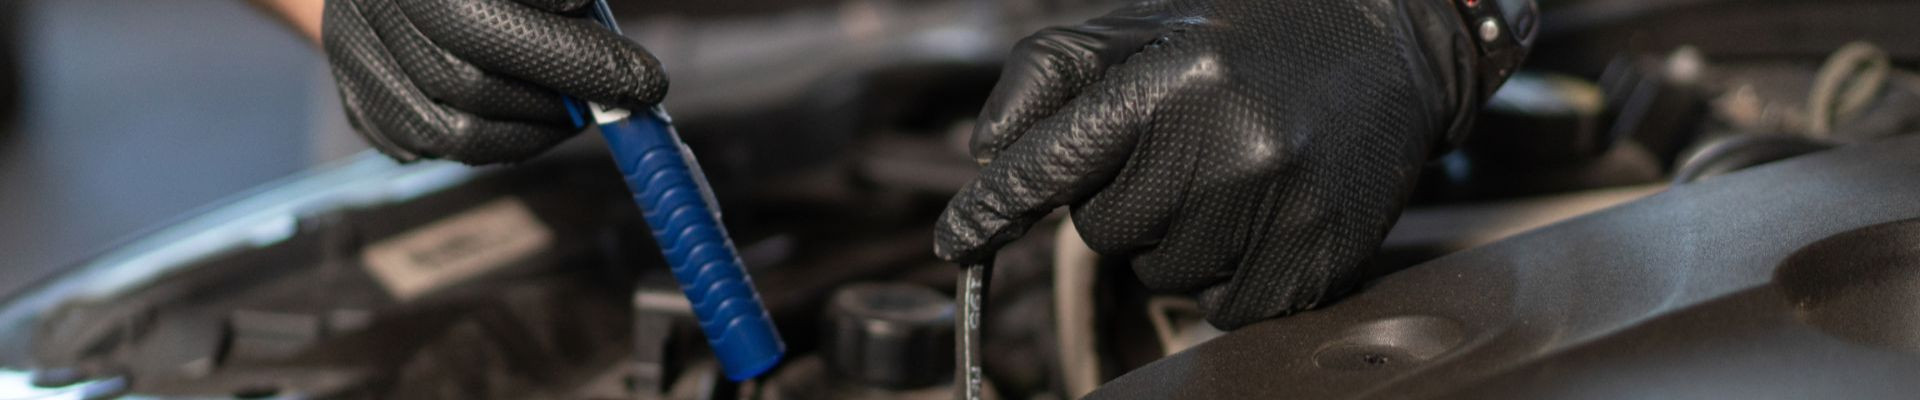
{"x":970,"y":378}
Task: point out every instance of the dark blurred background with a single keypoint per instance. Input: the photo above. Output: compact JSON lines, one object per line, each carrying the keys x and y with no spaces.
{"x":133,"y":113}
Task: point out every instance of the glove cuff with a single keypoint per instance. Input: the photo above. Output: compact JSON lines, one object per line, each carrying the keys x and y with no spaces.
{"x":1471,"y":47}
{"x":1502,"y":32}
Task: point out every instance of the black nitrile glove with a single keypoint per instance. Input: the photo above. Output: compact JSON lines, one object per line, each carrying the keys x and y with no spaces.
{"x":1250,"y":152}
{"x":478,"y":81}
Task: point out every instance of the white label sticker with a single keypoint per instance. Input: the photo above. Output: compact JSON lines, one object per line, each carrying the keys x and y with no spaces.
{"x":607,"y":115}
{"x":467,"y":245}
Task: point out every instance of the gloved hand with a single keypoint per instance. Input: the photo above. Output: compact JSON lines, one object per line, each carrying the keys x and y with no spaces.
{"x":478,"y":81}
{"x":1250,"y":152}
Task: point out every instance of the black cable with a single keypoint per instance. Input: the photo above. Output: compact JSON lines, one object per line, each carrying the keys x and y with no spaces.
{"x":972,"y":298}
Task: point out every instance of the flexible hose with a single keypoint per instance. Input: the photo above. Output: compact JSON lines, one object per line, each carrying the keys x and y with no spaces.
{"x":1846,"y":85}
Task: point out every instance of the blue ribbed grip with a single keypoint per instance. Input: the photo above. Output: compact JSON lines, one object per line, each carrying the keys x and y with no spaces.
{"x":672,"y":192}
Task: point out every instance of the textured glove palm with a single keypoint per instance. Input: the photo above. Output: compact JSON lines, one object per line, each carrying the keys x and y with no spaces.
{"x":1250,"y":152}
{"x":478,"y":81}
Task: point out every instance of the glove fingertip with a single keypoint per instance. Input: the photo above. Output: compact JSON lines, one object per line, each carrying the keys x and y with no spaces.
{"x":989,"y":126}
{"x":651,"y":93}
{"x":969,"y":231}
{"x":650,"y":87}
{"x":954,"y":238}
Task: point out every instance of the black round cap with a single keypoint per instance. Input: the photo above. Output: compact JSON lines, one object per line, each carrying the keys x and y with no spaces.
{"x":890,"y":335}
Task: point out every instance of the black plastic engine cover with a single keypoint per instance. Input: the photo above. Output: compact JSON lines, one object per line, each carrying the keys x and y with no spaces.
{"x":1796,"y":279}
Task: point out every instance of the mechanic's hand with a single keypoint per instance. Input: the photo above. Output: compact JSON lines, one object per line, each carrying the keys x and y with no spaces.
{"x":1250,"y":152}
{"x":478,"y":81}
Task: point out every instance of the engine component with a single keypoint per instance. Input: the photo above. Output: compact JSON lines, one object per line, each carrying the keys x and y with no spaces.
{"x":1738,"y":152}
{"x":1696,"y":292}
{"x":369,"y":279}
{"x":1657,"y":101}
{"x":1542,"y":119}
{"x":890,"y":335}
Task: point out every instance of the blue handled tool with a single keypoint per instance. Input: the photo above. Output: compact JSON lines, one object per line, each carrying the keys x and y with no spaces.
{"x":673,"y":194}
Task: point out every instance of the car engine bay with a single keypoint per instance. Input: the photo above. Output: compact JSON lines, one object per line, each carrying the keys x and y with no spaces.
{"x":1672,"y":199}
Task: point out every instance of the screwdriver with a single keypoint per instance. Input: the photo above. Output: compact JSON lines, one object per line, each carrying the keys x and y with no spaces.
{"x":673,"y":194}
